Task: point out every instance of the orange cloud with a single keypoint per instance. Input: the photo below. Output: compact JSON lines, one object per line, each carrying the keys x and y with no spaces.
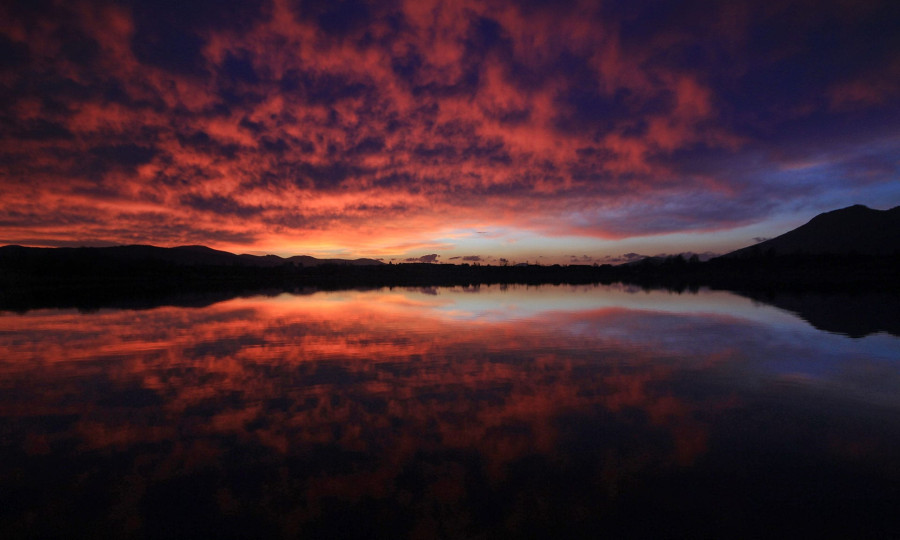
{"x":311,"y":126}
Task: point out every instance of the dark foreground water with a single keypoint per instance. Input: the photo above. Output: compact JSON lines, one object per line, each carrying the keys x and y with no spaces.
{"x":457,"y":413}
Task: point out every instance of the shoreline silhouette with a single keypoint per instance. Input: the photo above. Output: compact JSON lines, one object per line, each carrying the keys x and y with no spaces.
{"x":851,"y":251}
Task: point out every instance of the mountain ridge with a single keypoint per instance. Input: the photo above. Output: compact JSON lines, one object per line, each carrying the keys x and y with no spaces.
{"x":188,"y":255}
{"x":854,"y":230}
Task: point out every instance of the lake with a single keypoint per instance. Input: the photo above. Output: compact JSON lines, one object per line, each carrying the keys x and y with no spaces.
{"x":501,"y":411}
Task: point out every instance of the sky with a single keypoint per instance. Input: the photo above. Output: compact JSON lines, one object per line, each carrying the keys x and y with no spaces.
{"x":535,"y":130}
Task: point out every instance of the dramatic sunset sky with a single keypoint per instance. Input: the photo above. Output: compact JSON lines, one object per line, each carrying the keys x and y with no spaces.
{"x":456,"y":131}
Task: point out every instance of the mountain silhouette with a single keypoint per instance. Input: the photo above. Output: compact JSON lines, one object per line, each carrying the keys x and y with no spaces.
{"x":306,"y":260}
{"x":852,"y":250}
{"x":855,"y":230}
{"x":178,"y":256}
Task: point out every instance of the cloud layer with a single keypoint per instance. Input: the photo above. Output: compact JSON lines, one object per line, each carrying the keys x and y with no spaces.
{"x":384,"y":128}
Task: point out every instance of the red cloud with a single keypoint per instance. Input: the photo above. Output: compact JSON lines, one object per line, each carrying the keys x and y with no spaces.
{"x":373,"y":128}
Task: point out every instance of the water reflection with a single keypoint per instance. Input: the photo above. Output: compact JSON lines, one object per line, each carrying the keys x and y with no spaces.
{"x":448,"y":412}
{"x":852,"y":314}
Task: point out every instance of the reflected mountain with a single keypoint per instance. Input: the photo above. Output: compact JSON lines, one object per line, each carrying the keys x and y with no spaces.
{"x":137,"y":296}
{"x":854,"y":315}
{"x":507,"y":411}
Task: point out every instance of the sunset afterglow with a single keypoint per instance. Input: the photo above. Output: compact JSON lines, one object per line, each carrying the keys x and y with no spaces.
{"x":548,"y":132}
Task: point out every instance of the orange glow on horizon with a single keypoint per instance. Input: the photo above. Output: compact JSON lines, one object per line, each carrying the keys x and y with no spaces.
{"x":274,"y":130}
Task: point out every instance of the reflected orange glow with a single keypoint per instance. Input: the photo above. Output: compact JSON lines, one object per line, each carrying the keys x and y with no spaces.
{"x":357,"y":388}
{"x":391,"y":378}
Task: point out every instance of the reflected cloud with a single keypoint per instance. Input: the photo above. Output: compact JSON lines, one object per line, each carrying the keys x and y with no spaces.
{"x":326,"y":403}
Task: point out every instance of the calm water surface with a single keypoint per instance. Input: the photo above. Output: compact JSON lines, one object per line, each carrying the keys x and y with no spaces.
{"x":549,"y":411}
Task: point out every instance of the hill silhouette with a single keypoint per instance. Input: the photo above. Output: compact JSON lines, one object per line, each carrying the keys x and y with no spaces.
{"x":183,"y":256}
{"x":853,"y":250}
{"x":855,"y":230}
